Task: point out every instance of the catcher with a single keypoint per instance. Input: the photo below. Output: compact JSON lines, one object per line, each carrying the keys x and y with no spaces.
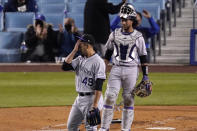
{"x":127,"y":48}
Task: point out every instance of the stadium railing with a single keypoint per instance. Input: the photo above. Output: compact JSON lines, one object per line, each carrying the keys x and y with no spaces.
{"x":194,"y":13}
{"x":1,"y":21}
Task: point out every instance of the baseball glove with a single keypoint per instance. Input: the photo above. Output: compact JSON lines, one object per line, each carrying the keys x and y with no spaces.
{"x":93,"y":117}
{"x":144,"y":88}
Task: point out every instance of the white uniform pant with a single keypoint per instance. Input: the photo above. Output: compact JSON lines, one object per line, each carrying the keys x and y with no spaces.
{"x":78,"y":113}
{"x":79,"y":110}
{"x":125,"y":77}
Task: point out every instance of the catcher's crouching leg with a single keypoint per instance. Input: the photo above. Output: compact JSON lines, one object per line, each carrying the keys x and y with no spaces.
{"x":128,"y":112}
{"x":107,"y":114}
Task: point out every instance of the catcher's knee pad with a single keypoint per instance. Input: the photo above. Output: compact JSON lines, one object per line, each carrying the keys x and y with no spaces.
{"x":110,"y":98}
{"x":128,"y":99}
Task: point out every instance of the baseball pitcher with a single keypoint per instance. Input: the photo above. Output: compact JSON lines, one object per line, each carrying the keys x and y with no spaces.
{"x":90,"y":75}
{"x":128,"y":49}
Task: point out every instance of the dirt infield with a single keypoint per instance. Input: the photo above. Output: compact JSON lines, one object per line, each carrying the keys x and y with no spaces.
{"x":179,"y":118}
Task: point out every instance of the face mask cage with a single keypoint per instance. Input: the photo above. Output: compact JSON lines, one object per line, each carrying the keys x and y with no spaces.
{"x":127,"y":11}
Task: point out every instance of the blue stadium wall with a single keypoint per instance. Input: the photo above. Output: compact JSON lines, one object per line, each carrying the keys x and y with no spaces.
{"x":193,"y":47}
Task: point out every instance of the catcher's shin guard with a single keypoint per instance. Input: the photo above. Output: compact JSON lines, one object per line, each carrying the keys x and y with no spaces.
{"x":107,"y":116}
{"x":125,"y":130}
{"x":127,"y":118}
{"x":101,"y":129}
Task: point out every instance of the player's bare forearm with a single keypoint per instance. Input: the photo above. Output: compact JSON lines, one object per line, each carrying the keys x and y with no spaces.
{"x":70,"y":57}
{"x":96,"y":98}
{"x":144,"y":64}
{"x":106,"y":62}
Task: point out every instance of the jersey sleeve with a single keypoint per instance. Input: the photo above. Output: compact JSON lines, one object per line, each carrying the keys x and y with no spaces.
{"x":75,"y":62}
{"x":100,"y":70}
{"x":141,"y":47}
{"x":154,"y":28}
{"x":109,"y":44}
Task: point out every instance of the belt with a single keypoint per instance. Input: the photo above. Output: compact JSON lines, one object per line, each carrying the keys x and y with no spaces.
{"x":124,"y":65}
{"x":86,"y":93}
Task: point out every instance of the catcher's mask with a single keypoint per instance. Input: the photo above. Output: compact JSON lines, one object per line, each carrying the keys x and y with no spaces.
{"x":127,"y":11}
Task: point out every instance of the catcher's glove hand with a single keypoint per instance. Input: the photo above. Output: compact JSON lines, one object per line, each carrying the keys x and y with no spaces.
{"x":93,"y":117}
{"x":144,"y":88}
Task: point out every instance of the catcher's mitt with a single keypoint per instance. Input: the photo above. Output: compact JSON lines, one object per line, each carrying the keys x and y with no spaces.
{"x":93,"y":117}
{"x":143,"y":89}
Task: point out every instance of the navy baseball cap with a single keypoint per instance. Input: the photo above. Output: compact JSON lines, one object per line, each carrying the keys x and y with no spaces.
{"x":40,"y":17}
{"x":87,"y":38}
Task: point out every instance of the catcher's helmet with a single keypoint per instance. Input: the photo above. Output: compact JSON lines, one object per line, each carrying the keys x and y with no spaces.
{"x":127,"y":11}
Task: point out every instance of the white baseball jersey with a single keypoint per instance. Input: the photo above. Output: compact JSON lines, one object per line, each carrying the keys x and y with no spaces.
{"x":127,"y":47}
{"x":87,"y":71}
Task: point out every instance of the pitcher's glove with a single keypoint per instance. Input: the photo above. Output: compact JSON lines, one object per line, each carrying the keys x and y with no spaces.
{"x":144,"y":88}
{"x":93,"y":117}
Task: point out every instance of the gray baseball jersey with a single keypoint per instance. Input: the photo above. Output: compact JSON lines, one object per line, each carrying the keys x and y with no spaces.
{"x":87,"y":71}
{"x":127,"y":47}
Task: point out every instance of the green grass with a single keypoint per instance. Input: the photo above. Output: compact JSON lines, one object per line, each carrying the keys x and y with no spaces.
{"x":57,"y":88}
{"x":172,"y":89}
